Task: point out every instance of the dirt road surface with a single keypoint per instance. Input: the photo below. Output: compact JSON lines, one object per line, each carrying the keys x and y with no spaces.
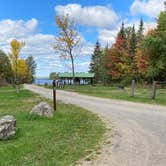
{"x":140,"y":129}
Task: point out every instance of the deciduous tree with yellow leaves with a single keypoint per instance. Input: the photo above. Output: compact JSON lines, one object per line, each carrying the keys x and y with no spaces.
{"x":67,"y":40}
{"x":15,"y":49}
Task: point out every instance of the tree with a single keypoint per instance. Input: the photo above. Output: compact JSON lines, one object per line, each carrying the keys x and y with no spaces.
{"x":53,"y":76}
{"x":161,"y":26}
{"x":5,"y":67}
{"x":122,"y":31}
{"x":15,"y":48}
{"x":105,"y":71}
{"x":133,"y":43}
{"x":23,"y":72}
{"x":96,"y":62}
{"x":155,"y":47}
{"x":132,"y":51}
{"x":140,"y":34}
{"x":67,"y":40}
{"x":31,"y":68}
{"x":140,"y":58}
{"x":118,"y":60}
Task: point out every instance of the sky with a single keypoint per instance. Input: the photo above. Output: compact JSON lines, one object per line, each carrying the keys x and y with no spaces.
{"x":33,"y":21}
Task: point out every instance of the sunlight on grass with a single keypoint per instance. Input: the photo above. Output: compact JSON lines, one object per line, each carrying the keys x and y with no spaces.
{"x":61,"y":140}
{"x":141,"y":94}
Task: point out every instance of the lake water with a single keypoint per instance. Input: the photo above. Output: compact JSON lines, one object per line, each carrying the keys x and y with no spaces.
{"x":42,"y":81}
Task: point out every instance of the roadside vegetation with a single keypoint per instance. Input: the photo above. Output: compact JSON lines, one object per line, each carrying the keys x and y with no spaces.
{"x":70,"y":135}
{"x":142,"y":95}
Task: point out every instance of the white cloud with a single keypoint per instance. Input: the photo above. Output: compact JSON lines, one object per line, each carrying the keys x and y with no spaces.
{"x":16,"y":29}
{"x":150,"y":8}
{"x":98,"y":16}
{"x":147,"y":25}
{"x":37,"y":44}
{"x":107,"y":36}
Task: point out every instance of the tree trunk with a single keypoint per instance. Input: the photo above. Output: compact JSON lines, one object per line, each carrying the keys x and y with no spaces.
{"x":16,"y":79}
{"x":72,"y":64}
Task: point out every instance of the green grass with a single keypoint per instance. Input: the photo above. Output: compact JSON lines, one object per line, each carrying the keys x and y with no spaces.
{"x":70,"y":135}
{"x":141,"y":94}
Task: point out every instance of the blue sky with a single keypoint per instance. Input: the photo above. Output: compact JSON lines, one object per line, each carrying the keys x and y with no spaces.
{"x":33,"y":21}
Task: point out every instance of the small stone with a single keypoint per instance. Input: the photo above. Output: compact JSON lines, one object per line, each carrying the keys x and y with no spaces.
{"x":43,"y":109}
{"x":7,"y":126}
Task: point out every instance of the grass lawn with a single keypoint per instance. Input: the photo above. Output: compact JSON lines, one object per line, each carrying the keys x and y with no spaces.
{"x":72,"y":134}
{"x":141,"y":94}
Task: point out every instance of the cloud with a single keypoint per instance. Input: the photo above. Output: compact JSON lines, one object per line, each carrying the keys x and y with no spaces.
{"x":148,"y":25}
{"x":149,"y":8}
{"x":95,"y":16}
{"x":37,"y":44}
{"x":16,"y":28}
{"x":106,"y":36}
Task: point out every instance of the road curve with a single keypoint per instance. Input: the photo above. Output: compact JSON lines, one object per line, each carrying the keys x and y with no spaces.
{"x":140,"y":137}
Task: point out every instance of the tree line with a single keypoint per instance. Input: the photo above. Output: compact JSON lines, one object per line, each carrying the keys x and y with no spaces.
{"x":134,"y":55}
{"x":15,"y":70}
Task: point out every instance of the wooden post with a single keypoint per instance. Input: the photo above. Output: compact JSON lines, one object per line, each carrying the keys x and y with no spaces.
{"x":154,"y":90}
{"x":54,"y":94}
{"x":132,"y":88}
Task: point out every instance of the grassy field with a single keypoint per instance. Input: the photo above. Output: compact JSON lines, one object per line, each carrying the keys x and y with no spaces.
{"x":141,"y":94}
{"x":72,"y":134}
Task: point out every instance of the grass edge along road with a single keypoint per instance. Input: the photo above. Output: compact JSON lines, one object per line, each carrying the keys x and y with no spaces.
{"x":142,"y":95}
{"x":70,"y":135}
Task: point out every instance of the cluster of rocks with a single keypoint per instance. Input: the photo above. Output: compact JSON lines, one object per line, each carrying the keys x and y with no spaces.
{"x":8,"y":122}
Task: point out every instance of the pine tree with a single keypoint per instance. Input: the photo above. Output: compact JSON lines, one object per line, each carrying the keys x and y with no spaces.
{"x":133,"y":42}
{"x":31,"y":68}
{"x":122,"y":31}
{"x":132,"y":50}
{"x":140,"y":58}
{"x":140,"y":34}
{"x":105,"y":75}
{"x":122,"y":35}
{"x":96,"y":64}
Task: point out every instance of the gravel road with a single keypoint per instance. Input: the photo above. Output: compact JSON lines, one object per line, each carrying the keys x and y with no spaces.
{"x":140,"y":129}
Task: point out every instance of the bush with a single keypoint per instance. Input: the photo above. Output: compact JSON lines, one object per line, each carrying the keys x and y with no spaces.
{"x":126,"y":81}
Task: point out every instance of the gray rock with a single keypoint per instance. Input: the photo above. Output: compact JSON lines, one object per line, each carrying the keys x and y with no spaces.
{"x":7,"y":126}
{"x":43,"y":109}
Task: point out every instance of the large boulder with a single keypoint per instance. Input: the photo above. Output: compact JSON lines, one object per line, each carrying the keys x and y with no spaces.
{"x":7,"y":126}
{"x":43,"y":109}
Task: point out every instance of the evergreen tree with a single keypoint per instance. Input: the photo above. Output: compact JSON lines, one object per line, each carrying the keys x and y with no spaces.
{"x":31,"y":68}
{"x":96,"y":62}
{"x":133,"y":43}
{"x":105,"y":71}
{"x":140,"y":58}
{"x":122,"y":31}
{"x":122,"y":34}
{"x":5,"y":67}
{"x":140,"y":34}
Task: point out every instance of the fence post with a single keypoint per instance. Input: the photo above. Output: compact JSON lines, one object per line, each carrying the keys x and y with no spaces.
{"x":132,"y":88}
{"x":154,"y":90}
{"x":54,"y":94}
